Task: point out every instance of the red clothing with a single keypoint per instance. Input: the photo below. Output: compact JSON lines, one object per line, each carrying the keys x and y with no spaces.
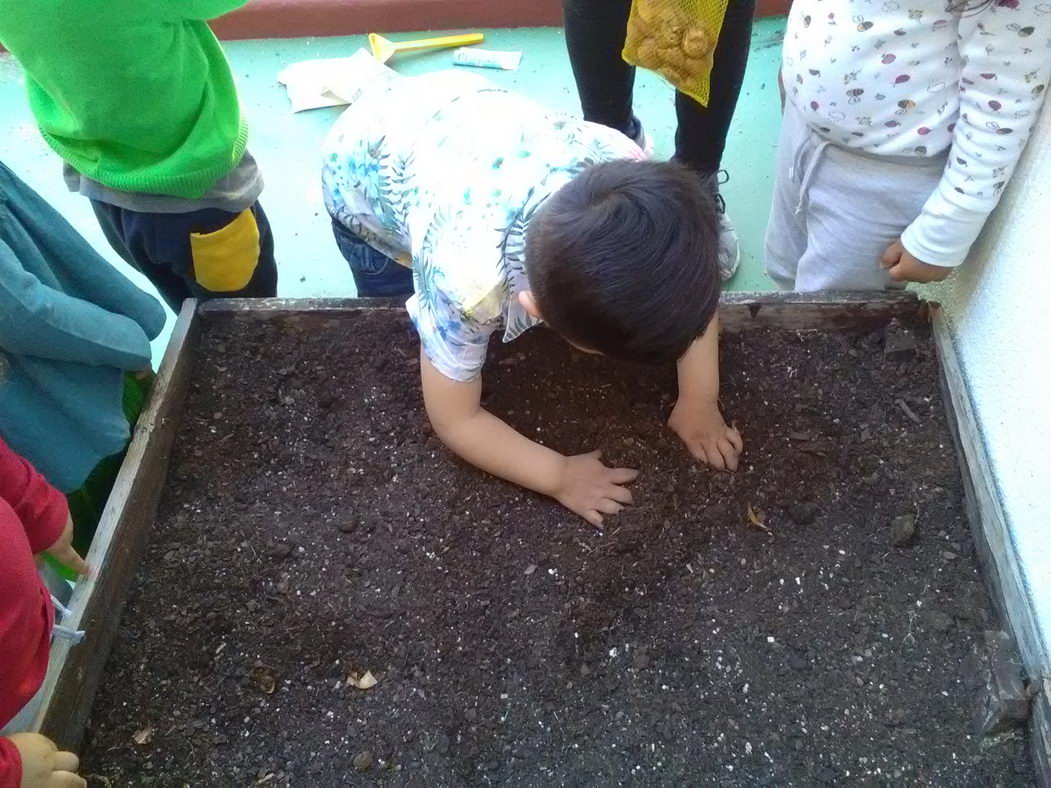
{"x":32,"y":517}
{"x":10,"y":765}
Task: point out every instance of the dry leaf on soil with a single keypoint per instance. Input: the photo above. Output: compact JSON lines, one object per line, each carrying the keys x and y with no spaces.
{"x":365,"y":681}
{"x":143,"y":736}
{"x":755,"y":519}
{"x":263,"y":679}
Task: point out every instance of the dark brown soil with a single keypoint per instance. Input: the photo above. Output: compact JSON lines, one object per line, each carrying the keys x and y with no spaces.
{"x":314,"y":527}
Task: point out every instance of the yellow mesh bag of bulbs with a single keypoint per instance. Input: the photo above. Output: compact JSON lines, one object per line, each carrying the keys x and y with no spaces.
{"x":676,"y":38}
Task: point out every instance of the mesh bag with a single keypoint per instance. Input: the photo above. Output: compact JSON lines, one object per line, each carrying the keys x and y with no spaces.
{"x":676,"y":38}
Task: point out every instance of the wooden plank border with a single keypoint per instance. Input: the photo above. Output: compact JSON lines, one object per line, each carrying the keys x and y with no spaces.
{"x":74,"y":671}
{"x":738,"y":310}
{"x":811,"y":311}
{"x":998,"y":551}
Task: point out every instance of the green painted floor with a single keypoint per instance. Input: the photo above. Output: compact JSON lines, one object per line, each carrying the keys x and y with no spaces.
{"x":287,"y":144}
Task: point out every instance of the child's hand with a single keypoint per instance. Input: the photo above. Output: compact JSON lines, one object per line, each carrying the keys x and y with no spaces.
{"x":701,"y":427}
{"x":590,"y":489}
{"x":901,"y":266}
{"x":63,"y":552}
{"x":44,"y":765}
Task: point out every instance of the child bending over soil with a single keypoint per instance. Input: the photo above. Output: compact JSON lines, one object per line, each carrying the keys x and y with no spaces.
{"x":34,"y":519}
{"x":495,"y":214}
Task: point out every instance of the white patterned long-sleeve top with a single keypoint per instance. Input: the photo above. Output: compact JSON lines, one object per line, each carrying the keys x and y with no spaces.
{"x":443,"y":172}
{"x":919,"y":78}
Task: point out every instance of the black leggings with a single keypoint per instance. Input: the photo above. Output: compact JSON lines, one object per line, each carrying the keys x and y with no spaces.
{"x":595,"y":32}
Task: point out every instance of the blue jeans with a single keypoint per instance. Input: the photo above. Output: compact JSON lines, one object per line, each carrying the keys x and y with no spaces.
{"x":375,"y":274}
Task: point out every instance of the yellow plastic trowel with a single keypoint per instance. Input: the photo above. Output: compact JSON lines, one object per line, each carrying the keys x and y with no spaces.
{"x":383,"y":50}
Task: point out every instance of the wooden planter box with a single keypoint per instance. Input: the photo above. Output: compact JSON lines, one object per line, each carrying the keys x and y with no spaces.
{"x":75,"y":671}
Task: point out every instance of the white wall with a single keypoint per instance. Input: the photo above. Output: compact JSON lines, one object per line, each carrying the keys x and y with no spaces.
{"x":999,"y":309}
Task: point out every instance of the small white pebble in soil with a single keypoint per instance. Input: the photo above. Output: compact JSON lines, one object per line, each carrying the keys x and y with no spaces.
{"x":770,"y":639}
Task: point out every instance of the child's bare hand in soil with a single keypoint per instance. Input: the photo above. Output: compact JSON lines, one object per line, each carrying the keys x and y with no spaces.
{"x":701,"y":427}
{"x":44,"y":765}
{"x":590,"y":489}
{"x":696,"y":418}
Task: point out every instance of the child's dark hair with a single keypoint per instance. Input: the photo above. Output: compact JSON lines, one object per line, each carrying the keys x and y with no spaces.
{"x":623,"y":260}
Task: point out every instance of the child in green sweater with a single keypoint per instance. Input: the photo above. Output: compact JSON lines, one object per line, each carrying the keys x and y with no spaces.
{"x":137,"y":98}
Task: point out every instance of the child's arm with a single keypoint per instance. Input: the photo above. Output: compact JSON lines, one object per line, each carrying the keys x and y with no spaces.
{"x":33,"y":761}
{"x":40,"y":508}
{"x":33,"y":518}
{"x":581,"y":483}
{"x":37,"y":320}
{"x":1006,"y":50}
{"x":696,"y":417}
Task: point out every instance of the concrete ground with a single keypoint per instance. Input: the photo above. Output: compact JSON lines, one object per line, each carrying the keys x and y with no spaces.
{"x":286,"y":144}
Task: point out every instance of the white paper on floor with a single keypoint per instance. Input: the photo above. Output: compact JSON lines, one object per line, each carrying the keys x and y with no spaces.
{"x":331,"y":82}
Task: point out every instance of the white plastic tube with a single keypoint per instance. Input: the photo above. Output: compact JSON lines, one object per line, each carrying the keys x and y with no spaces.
{"x":487,"y":58}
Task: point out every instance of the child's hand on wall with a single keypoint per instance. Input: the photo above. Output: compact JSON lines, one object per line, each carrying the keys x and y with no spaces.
{"x":590,"y":489}
{"x":44,"y":765}
{"x":701,"y":427}
{"x":901,"y":266}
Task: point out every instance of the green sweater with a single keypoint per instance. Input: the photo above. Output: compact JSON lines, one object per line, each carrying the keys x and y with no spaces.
{"x":135,"y":94}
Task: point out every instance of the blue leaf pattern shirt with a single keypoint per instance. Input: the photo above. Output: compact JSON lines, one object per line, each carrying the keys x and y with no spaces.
{"x":443,"y":173}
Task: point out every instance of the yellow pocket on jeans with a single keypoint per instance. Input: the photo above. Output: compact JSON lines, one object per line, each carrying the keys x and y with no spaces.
{"x":224,"y":260}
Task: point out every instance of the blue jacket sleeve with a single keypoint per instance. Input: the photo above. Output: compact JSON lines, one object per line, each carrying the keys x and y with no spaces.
{"x":36,"y":320}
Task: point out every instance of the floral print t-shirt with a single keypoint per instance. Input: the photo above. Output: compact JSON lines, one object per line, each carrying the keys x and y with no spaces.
{"x":958,"y":78}
{"x":443,"y":173}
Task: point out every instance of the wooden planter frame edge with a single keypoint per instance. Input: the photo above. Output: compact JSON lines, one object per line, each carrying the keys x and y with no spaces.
{"x":74,"y":673}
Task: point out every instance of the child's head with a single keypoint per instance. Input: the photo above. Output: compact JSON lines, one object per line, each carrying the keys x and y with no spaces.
{"x":623,"y":260}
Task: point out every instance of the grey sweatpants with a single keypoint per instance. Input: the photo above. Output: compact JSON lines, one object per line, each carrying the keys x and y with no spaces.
{"x":836,"y":210}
